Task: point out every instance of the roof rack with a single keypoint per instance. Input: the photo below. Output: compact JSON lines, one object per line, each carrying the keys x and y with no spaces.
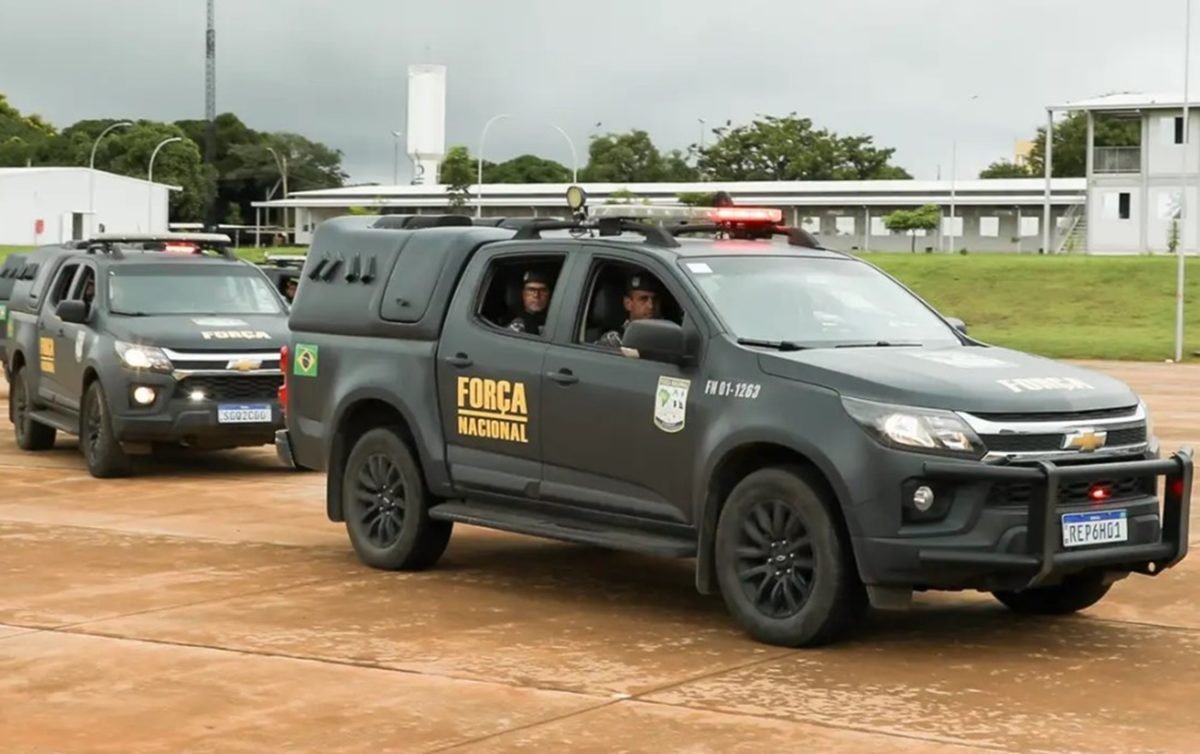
{"x":285,"y":260}
{"x":795,"y":236}
{"x":655,"y":235}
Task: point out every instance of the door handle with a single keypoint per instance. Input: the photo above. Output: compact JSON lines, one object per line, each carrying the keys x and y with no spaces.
{"x":563,"y":377}
{"x":459,"y":360}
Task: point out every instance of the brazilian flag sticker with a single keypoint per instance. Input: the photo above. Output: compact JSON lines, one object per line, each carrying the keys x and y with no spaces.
{"x":306,"y":360}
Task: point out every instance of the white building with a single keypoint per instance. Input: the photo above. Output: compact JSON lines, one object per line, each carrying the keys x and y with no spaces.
{"x":43,"y":205}
{"x":980,"y":215}
{"x":1133,"y":192}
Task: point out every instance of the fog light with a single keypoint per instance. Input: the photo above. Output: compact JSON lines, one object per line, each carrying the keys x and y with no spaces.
{"x":144,"y":395}
{"x":923,"y":499}
{"x":197,"y":395}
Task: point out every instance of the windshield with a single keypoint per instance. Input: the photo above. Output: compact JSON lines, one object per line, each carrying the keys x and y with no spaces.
{"x":165,"y":291}
{"x":814,"y":302}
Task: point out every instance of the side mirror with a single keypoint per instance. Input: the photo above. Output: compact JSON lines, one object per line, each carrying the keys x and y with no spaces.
{"x":72,"y":311}
{"x":656,"y":340}
{"x":957,"y":324}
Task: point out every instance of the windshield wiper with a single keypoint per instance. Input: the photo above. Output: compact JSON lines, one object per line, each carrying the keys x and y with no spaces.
{"x":877,"y":344}
{"x":781,"y":345}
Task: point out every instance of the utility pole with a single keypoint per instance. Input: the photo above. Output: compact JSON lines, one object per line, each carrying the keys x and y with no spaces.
{"x":210,"y":100}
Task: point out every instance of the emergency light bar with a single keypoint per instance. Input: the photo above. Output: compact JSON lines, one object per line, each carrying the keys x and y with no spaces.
{"x":734,"y":214}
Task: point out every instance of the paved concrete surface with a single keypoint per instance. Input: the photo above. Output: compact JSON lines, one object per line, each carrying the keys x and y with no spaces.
{"x":207,"y":605}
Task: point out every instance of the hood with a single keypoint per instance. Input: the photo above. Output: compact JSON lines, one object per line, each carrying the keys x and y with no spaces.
{"x":247,"y":332}
{"x":957,"y":378}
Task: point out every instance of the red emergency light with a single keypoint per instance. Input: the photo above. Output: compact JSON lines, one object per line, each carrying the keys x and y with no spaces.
{"x":747,"y":215}
{"x":1099,"y":493}
{"x":283,"y":388}
{"x":181,"y":248}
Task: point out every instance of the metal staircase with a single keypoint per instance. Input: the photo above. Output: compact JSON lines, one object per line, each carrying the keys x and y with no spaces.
{"x":1071,"y":236}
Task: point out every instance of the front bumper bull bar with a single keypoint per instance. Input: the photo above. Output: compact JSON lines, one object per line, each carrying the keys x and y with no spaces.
{"x":1042,"y":555}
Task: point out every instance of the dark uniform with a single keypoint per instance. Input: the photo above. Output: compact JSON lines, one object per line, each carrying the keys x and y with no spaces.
{"x":527,"y":321}
{"x":637,"y":282}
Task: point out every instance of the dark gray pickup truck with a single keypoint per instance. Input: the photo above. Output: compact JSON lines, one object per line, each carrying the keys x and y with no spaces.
{"x":133,"y":342}
{"x":711,"y":384}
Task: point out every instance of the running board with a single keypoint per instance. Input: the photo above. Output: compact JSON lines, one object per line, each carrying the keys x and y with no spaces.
{"x":59,"y":421}
{"x":540,"y":525}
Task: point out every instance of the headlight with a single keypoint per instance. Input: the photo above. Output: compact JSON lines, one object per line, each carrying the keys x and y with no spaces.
{"x":909,"y":428}
{"x":1150,"y":436}
{"x":143,"y":357}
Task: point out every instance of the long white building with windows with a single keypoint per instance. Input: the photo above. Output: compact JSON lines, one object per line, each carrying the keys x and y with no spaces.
{"x":997,"y":215}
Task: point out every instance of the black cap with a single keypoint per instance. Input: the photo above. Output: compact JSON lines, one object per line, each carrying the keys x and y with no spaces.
{"x":639,"y":281}
{"x":537,"y":276}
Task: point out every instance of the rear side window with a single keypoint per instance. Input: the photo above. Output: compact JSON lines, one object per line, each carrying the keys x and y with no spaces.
{"x":62,"y":283}
{"x":410,"y":287}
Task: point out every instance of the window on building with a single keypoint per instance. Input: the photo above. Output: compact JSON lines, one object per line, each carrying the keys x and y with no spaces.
{"x":1178,"y":129}
{"x":1123,"y":205}
{"x":878,"y":228}
{"x":955,"y":227}
{"x":845,"y":225}
{"x":811,"y":224}
{"x":989,"y":227}
{"x":1030,"y":226}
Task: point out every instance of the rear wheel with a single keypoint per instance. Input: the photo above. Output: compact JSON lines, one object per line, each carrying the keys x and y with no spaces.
{"x":30,"y":434}
{"x":386,"y":506}
{"x":1077,"y":592}
{"x":105,"y":456}
{"x":784,"y":567}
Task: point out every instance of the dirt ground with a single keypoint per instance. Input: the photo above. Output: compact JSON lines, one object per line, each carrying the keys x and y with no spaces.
{"x":207,"y":605}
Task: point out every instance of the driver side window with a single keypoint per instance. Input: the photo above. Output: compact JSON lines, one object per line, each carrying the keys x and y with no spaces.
{"x":617,"y":293}
{"x":62,"y":285}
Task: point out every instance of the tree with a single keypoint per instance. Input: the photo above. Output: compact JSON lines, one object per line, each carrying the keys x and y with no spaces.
{"x":633,"y":158}
{"x":788,"y":148}
{"x":910,"y":220}
{"x":1005,"y":169}
{"x":1070,"y":142}
{"x":526,"y":168}
{"x":21,"y":136}
{"x":459,"y":171}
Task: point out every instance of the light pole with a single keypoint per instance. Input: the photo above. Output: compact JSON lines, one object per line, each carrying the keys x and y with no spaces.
{"x":281,"y":163}
{"x":954,"y":180}
{"x":574,"y":154}
{"x":700,"y":151}
{"x":92,"y":175}
{"x":1187,"y":49}
{"x":396,"y":157}
{"x":150,"y":182}
{"x":479,"y":160}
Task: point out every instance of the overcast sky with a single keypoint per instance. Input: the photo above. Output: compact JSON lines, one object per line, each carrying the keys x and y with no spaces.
{"x":900,"y":70}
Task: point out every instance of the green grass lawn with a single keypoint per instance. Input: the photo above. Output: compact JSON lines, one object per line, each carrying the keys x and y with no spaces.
{"x":1070,"y":306}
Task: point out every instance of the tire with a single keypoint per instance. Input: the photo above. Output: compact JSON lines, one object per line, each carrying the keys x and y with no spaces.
{"x":810,"y":597}
{"x":1076,"y":592}
{"x":105,"y":457}
{"x":386,"y":506}
{"x":30,"y":434}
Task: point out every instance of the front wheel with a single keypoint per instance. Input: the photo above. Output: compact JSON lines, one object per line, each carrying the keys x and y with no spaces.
{"x":1076,"y":592}
{"x":105,"y":456}
{"x":386,"y":506}
{"x":784,"y":567}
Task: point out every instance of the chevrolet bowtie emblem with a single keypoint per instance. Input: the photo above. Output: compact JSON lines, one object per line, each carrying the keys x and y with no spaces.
{"x":244,"y":365}
{"x":1085,"y":440}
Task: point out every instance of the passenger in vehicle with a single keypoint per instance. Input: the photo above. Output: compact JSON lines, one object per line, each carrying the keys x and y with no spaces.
{"x":642,"y":301}
{"x":289,"y":290}
{"x":535,"y":301}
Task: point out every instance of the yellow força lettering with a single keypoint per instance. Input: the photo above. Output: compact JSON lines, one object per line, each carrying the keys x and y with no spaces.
{"x":517,"y":404}
{"x":489,"y":395}
{"x":475,"y":393}
{"x":503,"y":397}
{"x":462,"y":390}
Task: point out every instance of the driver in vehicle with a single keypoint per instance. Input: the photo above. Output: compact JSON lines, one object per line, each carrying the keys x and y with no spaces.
{"x":642,"y":301}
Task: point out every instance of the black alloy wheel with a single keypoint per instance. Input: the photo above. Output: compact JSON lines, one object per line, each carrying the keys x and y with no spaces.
{"x":385,"y":504}
{"x":380,"y":500}
{"x":776,"y":564}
